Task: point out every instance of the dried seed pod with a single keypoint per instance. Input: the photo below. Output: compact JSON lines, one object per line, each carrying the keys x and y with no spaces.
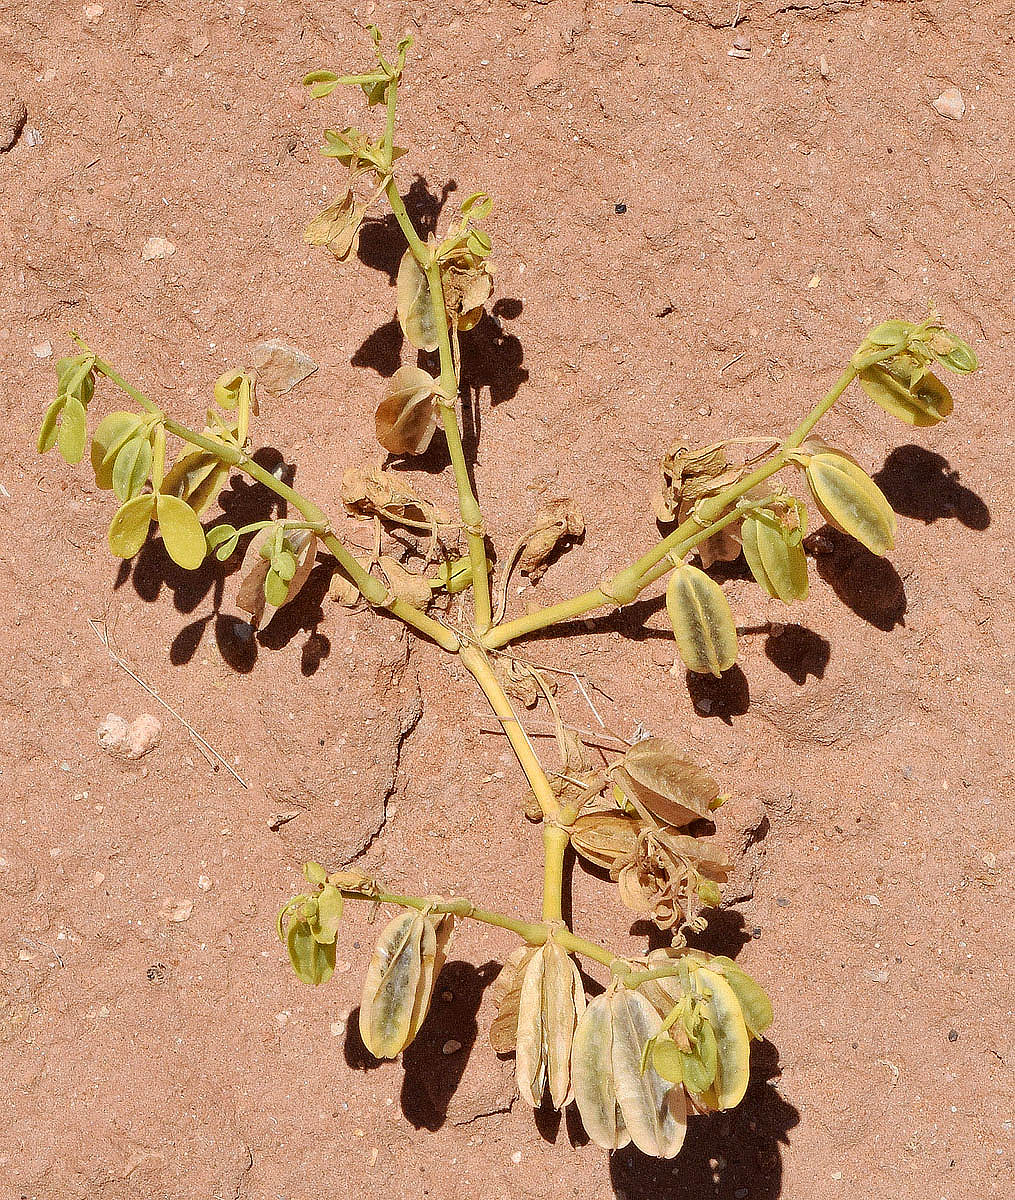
{"x":618,"y":1101}
{"x":674,"y":789}
{"x":776,"y":562}
{"x":556,"y":522}
{"x":406,"y":418}
{"x":851,"y":501}
{"x":415,"y":312}
{"x":373,"y":492}
{"x":507,"y":993}
{"x":603,"y":837}
{"x":905,"y":389}
{"x":399,"y":982}
{"x":702,"y":621}
{"x":550,"y":1005}
{"x":338,"y":227}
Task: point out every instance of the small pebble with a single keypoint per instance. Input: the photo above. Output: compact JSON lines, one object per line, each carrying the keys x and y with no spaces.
{"x":337,"y":1028}
{"x":43,"y":350}
{"x":157,"y":249}
{"x":143,"y":735}
{"x":199,"y":45}
{"x":113,"y":732}
{"x":824,"y":68}
{"x":953,"y":1035}
{"x":950,"y":104}
{"x":177,"y":910}
{"x":516,"y":1158}
{"x":93,"y":12}
{"x":33,"y":137}
{"x":451,"y":1047}
{"x":620,"y":208}
{"x":204,"y":883}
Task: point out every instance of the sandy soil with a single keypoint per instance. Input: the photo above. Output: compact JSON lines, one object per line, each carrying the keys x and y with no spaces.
{"x":771,"y":216}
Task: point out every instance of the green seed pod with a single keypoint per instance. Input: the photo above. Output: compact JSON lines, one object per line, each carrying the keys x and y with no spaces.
{"x":754,"y":1001}
{"x":779,"y":566}
{"x":723,"y":1012}
{"x":906,"y":390}
{"x":618,"y":1101}
{"x":851,"y":501}
{"x":702,"y":621}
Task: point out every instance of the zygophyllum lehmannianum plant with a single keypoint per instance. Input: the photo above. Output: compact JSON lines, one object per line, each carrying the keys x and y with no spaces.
{"x":670,"y":1035}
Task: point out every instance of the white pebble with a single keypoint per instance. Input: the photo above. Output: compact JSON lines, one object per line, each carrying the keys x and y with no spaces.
{"x":143,"y":735}
{"x":157,"y":248}
{"x":113,"y":733}
{"x":950,"y":104}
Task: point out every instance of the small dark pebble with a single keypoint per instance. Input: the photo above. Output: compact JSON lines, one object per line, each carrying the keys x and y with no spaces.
{"x":620,"y":208}
{"x":953,"y":1035}
{"x":782,"y":902}
{"x":756,"y":931}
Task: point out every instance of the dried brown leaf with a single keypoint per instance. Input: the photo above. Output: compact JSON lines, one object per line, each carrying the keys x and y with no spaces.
{"x":373,"y":492}
{"x":405,"y":585}
{"x":558,"y":521}
{"x":672,"y":788}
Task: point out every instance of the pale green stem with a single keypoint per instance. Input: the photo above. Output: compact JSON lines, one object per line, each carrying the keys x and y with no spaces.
{"x":535,"y":933}
{"x":709,"y":517}
{"x":371,"y":588}
{"x":555,"y":843}
{"x":468,"y":505}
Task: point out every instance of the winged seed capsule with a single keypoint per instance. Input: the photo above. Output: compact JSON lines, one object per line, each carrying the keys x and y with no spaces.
{"x":399,"y":982}
{"x":551,"y":1001}
{"x":702,"y":621}
{"x":618,"y":1101}
{"x":851,"y":501}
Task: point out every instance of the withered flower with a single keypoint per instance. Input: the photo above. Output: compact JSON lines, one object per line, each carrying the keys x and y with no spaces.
{"x":669,"y":876}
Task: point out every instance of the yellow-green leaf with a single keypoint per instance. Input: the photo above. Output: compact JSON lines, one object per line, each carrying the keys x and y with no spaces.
{"x":131,"y":467}
{"x":114,"y":430}
{"x":129,"y":527}
{"x":330,"y":904}
{"x":313,"y":961}
{"x":702,"y":621}
{"x":851,"y":501}
{"x":181,"y":532}
{"x":48,"y":429}
{"x":73,"y":432}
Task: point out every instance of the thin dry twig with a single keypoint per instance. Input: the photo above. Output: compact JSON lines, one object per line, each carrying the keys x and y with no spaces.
{"x":102,"y":633}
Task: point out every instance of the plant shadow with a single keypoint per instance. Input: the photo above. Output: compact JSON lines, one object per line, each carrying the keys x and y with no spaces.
{"x":864,"y":582}
{"x":431,"y":1077}
{"x":735,"y":1153}
{"x":921,"y":484}
{"x":798,"y":652}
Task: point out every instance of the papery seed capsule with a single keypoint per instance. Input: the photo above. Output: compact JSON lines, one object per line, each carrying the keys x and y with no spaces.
{"x":604,"y":837}
{"x":617,"y":1100}
{"x":702,"y":621}
{"x":723,"y":1012}
{"x":851,"y":501}
{"x":551,"y":1002}
{"x":507,"y":994}
{"x":399,"y":982}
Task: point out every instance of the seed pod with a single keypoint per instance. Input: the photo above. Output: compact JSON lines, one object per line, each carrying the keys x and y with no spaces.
{"x":851,"y":501}
{"x":618,"y":1101}
{"x":777,"y":564}
{"x":723,"y":1012}
{"x":702,"y":621}
{"x":507,"y":992}
{"x":603,"y":837}
{"x":551,"y":1002}
{"x":656,"y":775}
{"x":753,"y":1000}
{"x":415,"y":312}
{"x":399,"y":981}
{"x":906,"y":390}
